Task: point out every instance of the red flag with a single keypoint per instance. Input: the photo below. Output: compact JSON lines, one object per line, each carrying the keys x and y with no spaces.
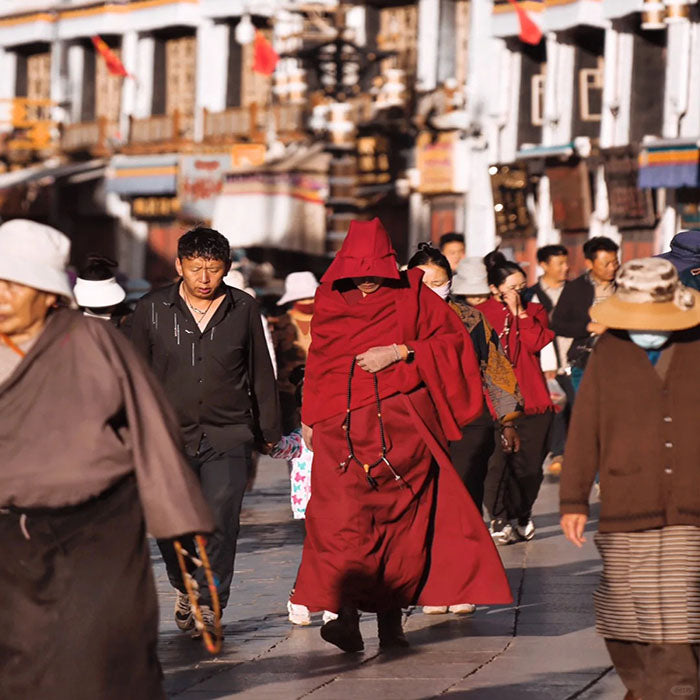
{"x":265,"y":57}
{"x":530,"y":33}
{"x":114,"y":64}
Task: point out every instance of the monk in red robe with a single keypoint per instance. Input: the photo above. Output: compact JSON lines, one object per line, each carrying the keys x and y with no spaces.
{"x":390,"y":378}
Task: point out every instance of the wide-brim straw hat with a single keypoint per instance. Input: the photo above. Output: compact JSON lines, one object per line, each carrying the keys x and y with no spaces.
{"x":471,"y":278}
{"x":649,"y":297}
{"x":297,"y":286}
{"x":98,"y":294}
{"x":36,"y":256}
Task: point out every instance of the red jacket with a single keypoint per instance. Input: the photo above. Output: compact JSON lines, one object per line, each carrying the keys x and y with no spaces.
{"x":523,"y":342}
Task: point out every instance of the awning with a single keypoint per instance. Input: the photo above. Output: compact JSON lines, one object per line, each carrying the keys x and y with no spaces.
{"x":143,"y":175}
{"x":563,"y":151}
{"x":671,"y":163}
{"x":88,"y":170}
{"x":280,"y":204}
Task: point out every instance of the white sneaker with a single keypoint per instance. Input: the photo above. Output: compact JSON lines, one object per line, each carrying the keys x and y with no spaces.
{"x":502,"y":532}
{"x":526,"y":532}
{"x":298,"y":614}
{"x":184,"y":617}
{"x":328,"y":616}
{"x":434,"y":609}
{"x":463,"y":609}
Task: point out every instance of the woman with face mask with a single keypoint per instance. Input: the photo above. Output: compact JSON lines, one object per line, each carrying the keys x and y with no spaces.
{"x":513,"y":480}
{"x":502,"y":399}
{"x":437,"y":273}
{"x":635,"y":423}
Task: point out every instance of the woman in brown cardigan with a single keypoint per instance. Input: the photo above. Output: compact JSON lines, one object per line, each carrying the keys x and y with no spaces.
{"x":635,"y":422}
{"x":91,"y":457}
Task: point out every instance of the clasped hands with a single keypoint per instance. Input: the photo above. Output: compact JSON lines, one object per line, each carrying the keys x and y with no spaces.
{"x":380,"y":357}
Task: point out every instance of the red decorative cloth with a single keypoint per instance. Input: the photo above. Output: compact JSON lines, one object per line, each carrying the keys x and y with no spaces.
{"x":265,"y":58}
{"x":366,"y":252}
{"x":112,"y":61}
{"x":418,"y":539}
{"x":523,"y":342}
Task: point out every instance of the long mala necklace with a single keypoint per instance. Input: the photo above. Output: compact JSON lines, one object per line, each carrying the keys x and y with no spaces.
{"x":351,"y":450}
{"x":504,"y":335}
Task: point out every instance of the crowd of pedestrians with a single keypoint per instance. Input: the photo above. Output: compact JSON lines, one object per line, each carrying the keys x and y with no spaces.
{"x":418,"y":408}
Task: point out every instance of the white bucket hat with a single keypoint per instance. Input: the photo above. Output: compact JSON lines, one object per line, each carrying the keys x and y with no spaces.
{"x":470,"y":278}
{"x":35,"y":255}
{"x":234,"y":278}
{"x":98,"y":294}
{"x":298,"y":285}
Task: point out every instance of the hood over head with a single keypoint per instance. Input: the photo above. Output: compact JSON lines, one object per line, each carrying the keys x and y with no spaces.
{"x":366,"y":252}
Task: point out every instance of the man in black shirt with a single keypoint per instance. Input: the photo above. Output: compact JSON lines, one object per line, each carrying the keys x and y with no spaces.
{"x":205,"y":343}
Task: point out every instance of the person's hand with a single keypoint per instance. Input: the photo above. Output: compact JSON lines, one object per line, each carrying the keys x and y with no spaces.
{"x":266,"y":447}
{"x":596,"y":328}
{"x":510,"y":440}
{"x":512,"y":300}
{"x":307,"y":434}
{"x":573,"y":525}
{"x":550,"y":374}
{"x":377,"y":359}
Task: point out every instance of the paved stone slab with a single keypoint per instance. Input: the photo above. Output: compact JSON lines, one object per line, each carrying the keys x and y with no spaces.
{"x":543,"y":647}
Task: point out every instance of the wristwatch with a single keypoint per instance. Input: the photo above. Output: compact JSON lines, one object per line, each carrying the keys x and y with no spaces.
{"x":410,"y":354}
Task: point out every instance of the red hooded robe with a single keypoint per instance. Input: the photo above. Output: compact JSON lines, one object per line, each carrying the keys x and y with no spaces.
{"x":419,"y":539}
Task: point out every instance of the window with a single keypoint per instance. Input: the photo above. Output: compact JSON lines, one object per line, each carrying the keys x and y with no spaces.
{"x":180,"y":72}
{"x":244,"y":86}
{"x":398,"y":31}
{"x":591,"y":92}
{"x":648,"y":84}
{"x":39,"y":76}
{"x":108,"y":89}
{"x":537,"y":83}
{"x":255,"y":87}
{"x":589,"y":66}
{"x":533,"y":69}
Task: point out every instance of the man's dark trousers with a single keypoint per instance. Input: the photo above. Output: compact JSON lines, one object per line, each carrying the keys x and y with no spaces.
{"x":223,"y":477}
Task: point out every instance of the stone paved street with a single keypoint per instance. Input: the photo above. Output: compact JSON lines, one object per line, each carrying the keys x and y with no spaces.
{"x":543,"y":648}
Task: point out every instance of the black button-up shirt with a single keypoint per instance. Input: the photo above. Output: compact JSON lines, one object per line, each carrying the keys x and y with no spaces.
{"x":219,"y":380}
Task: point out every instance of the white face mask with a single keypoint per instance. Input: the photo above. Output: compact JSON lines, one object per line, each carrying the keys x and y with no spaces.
{"x":443,"y":291}
{"x":649,"y":340}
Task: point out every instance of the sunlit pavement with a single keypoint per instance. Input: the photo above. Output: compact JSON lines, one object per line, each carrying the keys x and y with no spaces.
{"x":542,"y":648}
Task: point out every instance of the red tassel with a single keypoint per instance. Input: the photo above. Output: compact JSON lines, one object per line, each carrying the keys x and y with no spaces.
{"x":265,"y":57}
{"x":530,"y":33}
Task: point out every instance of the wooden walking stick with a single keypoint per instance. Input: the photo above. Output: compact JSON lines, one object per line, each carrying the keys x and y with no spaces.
{"x":211,"y":641}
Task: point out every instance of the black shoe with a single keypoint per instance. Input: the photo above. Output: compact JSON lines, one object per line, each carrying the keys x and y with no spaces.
{"x":390,"y":630}
{"x":344,"y":632}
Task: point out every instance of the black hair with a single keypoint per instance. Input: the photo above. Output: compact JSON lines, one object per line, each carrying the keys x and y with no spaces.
{"x":549,"y":251}
{"x":597,"y":243}
{"x":498,"y":268}
{"x":427,"y":255}
{"x":97,"y":267}
{"x":202,"y":242}
{"x":451,"y":237}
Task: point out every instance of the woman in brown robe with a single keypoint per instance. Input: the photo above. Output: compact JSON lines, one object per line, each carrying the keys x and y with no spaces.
{"x":89,"y":447}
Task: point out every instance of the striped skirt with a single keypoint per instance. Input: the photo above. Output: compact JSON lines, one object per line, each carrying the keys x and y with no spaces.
{"x":649,"y":590}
